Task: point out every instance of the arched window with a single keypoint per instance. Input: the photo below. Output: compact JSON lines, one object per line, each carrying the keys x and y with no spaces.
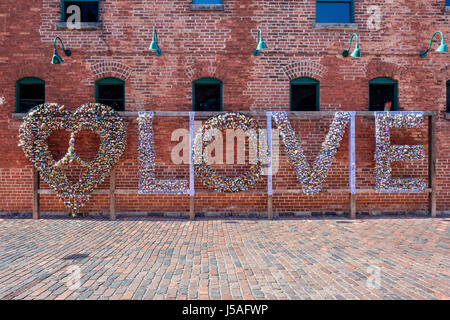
{"x":305,"y":94}
{"x":111,"y":92}
{"x":448,"y":96}
{"x":30,"y":92}
{"x":207,"y":94}
{"x":383,"y":94}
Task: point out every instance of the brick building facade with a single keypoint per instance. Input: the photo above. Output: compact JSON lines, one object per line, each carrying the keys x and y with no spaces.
{"x":219,"y":44}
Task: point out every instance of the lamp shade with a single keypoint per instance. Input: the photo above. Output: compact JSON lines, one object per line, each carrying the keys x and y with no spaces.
{"x":443,"y":47}
{"x":56,"y":59}
{"x":261,"y":44}
{"x":356,"y":53}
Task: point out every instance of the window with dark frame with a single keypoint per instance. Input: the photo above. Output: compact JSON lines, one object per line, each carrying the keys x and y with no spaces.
{"x":448,"y":96}
{"x":304,"y":94}
{"x":383,"y":94}
{"x":207,"y":94}
{"x":30,"y":92}
{"x":334,"y":11}
{"x":89,"y":10}
{"x":111,"y":92}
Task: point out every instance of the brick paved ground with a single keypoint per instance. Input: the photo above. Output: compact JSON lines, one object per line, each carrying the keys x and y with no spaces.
{"x":225,"y":259}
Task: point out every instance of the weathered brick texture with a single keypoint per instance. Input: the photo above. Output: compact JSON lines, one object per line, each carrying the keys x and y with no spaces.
{"x":220,"y":44}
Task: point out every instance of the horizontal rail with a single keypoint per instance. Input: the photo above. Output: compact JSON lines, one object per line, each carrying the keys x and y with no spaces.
{"x":279,"y":191}
{"x":201,"y":115}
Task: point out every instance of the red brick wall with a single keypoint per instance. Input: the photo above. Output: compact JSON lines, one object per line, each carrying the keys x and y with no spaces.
{"x":220,"y":44}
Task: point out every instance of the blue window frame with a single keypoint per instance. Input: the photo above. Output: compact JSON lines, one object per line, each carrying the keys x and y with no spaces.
{"x":110,"y":92}
{"x":207,"y":95}
{"x":334,"y":11}
{"x":207,"y":1}
{"x":305,"y":94}
{"x":382,"y":92}
{"x":89,"y":9}
{"x":30,"y":92}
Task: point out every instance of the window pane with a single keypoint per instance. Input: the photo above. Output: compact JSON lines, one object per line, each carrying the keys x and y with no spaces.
{"x":447,"y":2}
{"x":333,"y":12}
{"x":32,"y":91}
{"x":380,"y":95}
{"x":117,"y":105}
{"x":89,"y":10}
{"x":207,"y":97}
{"x":303,"y":97}
{"x":110,"y":91}
{"x":112,"y":95}
{"x":31,"y":95}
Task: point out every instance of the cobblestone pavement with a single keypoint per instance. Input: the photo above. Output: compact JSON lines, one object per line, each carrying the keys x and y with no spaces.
{"x":153,"y":258}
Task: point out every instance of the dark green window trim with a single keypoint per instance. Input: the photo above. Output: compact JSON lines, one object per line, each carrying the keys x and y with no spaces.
{"x":386,"y":81}
{"x":64,"y":9}
{"x":110,"y":81}
{"x":28,"y":80}
{"x":352,"y":7}
{"x":305,"y":81}
{"x":448,"y":96}
{"x":207,"y":81}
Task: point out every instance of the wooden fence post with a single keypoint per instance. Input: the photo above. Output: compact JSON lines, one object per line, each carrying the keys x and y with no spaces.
{"x":352,"y":206}
{"x":269,"y":208}
{"x":36,"y":207}
{"x":112,"y":195}
{"x":191,"y":208}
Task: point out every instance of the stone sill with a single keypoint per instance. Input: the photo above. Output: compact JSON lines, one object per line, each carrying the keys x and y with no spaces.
{"x":83,"y":25}
{"x":215,"y":7}
{"x":18,"y":115}
{"x":352,"y":26}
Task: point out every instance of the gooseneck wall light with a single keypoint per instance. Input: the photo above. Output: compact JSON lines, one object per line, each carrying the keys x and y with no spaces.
{"x":56,"y":59}
{"x":442,"y":48}
{"x":261,"y":44}
{"x":154,"y":45}
{"x":357,"y":52}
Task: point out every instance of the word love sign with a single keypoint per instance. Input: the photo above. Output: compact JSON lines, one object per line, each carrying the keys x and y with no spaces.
{"x":44,"y":119}
{"x":310,"y":177}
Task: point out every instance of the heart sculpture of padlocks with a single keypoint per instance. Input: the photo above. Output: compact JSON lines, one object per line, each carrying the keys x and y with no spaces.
{"x":44,"y":119}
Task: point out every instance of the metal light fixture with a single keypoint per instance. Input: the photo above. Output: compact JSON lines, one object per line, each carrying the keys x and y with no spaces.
{"x":357,"y":52}
{"x":261,"y":44}
{"x":442,"y":48}
{"x":154,"y":45}
{"x":56,"y":59}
